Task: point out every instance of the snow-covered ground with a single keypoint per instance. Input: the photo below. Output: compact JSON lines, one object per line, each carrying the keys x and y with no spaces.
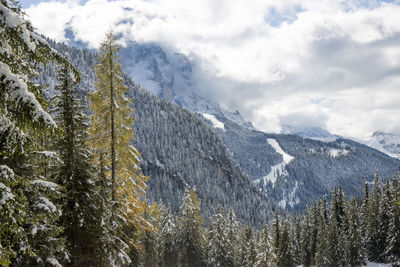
{"x":278,"y":169}
{"x":338,"y":152}
{"x":216,"y":123}
{"x":374,"y":264}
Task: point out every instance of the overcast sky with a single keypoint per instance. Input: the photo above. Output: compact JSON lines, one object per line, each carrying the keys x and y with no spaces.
{"x":333,"y":64}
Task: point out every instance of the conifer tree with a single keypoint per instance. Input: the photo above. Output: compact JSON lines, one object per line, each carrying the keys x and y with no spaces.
{"x":248,"y":251}
{"x":392,"y":251}
{"x":264,"y":254}
{"x":356,"y":250}
{"x":81,"y":214}
{"x":373,"y":221}
{"x":26,"y":197}
{"x":306,"y":236}
{"x":285,"y":257}
{"x":232,"y":227}
{"x":321,"y":253}
{"x":190,"y":231}
{"x":219,"y":251}
{"x":167,"y":247}
{"x":276,"y":231}
{"x":296,"y":240}
{"x":384,"y":220}
{"x":148,"y":237}
{"x":111,"y":135}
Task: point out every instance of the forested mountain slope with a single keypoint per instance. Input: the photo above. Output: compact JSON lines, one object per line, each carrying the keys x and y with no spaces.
{"x":315,"y":169}
{"x":178,"y":150}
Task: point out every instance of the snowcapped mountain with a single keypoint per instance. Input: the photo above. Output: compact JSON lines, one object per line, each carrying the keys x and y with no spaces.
{"x":292,"y":169}
{"x":316,"y":133}
{"x":387,"y":143}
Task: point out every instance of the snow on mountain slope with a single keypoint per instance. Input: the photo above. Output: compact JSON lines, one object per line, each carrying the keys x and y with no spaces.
{"x":278,"y":169}
{"x":315,"y":133}
{"x":387,"y":143}
{"x":216,"y":123}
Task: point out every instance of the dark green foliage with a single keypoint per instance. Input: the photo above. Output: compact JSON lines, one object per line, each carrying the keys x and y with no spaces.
{"x":82,"y":214}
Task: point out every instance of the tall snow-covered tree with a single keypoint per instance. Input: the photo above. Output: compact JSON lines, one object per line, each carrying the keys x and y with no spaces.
{"x":219,"y":254}
{"x":26,"y":198}
{"x":167,"y":245}
{"x":285,"y":256}
{"x":190,"y":231}
{"x":264,"y":250}
{"x":392,"y":251}
{"x":111,"y":134}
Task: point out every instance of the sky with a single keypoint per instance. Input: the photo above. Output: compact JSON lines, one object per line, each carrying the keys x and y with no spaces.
{"x":307,"y":63}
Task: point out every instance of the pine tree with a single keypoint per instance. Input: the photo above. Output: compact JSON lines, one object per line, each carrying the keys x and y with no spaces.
{"x":190,"y":232}
{"x":81,"y":215}
{"x":111,"y":134}
{"x":264,"y":253}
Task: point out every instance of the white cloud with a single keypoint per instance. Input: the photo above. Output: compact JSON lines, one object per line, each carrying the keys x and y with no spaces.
{"x":270,"y":59}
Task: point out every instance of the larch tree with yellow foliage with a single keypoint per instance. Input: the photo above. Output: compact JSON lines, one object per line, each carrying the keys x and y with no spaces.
{"x":111,"y":135}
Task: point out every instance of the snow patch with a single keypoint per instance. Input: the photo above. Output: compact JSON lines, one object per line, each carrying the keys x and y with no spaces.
{"x":338,"y":152}
{"x":5,"y":193}
{"x":279,"y":169}
{"x":47,"y":184}
{"x":216,"y":123}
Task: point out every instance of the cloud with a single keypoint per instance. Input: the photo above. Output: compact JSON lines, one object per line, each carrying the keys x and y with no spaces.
{"x":332,"y":62}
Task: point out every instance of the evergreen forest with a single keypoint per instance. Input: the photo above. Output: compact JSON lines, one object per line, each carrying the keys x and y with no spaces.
{"x":73,"y":193}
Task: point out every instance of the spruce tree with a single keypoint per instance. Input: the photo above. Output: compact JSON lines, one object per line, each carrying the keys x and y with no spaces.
{"x":190,"y":231}
{"x":392,"y":251}
{"x":374,"y":252}
{"x":321,"y":253}
{"x":27,"y":198}
{"x":219,"y":254}
{"x":276,"y":232}
{"x":111,"y":136}
{"x":285,"y":256}
{"x":167,"y":245}
{"x":356,"y":250}
{"x":81,"y":212}
{"x":232,"y":229}
{"x":264,"y":254}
